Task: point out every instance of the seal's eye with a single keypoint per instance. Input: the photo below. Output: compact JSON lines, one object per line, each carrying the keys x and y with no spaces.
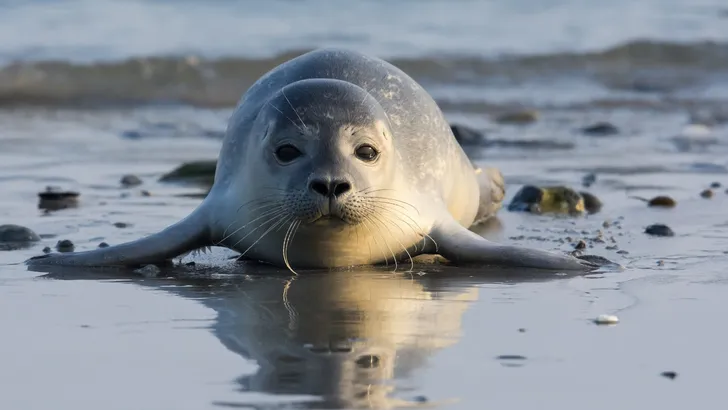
{"x":287,"y":153}
{"x":366,"y":153}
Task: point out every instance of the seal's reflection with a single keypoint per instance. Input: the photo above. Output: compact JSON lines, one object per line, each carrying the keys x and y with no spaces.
{"x":342,"y":336}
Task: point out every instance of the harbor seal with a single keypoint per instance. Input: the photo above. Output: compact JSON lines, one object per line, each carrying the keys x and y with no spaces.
{"x":335,"y":159}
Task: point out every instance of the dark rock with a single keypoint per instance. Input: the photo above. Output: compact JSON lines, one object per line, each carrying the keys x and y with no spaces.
{"x":65,"y":246}
{"x":659,"y":230}
{"x":54,"y":199}
{"x":592,"y":204}
{"x":589,"y":179}
{"x":716,"y":185}
{"x":600,"y":129}
{"x":518,"y":117}
{"x":198,"y":172}
{"x":580,"y":245}
{"x":130,"y":181}
{"x":121,"y":225}
{"x":467,"y":136}
{"x":146,"y":193}
{"x":662,"y":201}
{"x":669,"y":374}
{"x":707,"y":194}
{"x":15,"y":233}
{"x":47,"y":249}
{"x":103,"y":245}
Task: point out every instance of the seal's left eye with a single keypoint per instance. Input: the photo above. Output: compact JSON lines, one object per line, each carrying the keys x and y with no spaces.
{"x":287,"y":153}
{"x":366,"y":153}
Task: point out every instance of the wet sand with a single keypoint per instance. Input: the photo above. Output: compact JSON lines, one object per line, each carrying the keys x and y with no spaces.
{"x":221,"y":335}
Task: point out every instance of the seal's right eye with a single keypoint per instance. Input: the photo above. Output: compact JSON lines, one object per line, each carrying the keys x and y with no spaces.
{"x":287,"y":153}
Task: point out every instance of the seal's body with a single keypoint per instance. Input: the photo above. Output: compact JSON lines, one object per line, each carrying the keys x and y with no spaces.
{"x":334,"y":159}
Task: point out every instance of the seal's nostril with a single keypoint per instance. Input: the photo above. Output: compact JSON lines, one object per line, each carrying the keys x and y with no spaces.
{"x":319,"y":187}
{"x":340,"y":188}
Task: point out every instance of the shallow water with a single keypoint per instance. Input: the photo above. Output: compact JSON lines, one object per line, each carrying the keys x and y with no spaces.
{"x":462,"y":339}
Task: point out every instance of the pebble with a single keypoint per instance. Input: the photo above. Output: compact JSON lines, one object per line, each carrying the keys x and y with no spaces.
{"x":600,"y":129}
{"x":623,"y":252}
{"x":148,"y":271}
{"x":707,"y":193}
{"x":53,"y":199}
{"x":466,"y":135}
{"x":65,"y":245}
{"x":130,"y":181}
{"x":669,"y":374}
{"x":659,"y":230}
{"x":589,"y":179}
{"x":606,"y":320}
{"x":103,"y":245}
{"x":662,"y":201}
{"x":145,"y":193}
{"x":121,"y":225}
{"x":518,"y":117}
{"x":715,"y":185}
{"x":17,"y":233}
{"x":580,"y":245}
{"x":47,"y":250}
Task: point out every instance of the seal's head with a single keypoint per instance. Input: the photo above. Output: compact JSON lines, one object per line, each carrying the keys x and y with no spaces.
{"x":325,"y":152}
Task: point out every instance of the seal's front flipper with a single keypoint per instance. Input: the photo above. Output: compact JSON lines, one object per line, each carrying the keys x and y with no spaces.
{"x":186,"y":235}
{"x":464,"y":247}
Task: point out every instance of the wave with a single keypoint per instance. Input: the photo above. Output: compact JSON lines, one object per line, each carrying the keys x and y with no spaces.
{"x":641,"y":66}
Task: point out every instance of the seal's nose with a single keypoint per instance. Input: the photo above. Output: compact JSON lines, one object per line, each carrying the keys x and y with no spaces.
{"x":329,"y":188}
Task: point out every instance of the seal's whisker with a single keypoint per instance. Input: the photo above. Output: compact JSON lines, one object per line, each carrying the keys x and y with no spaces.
{"x":287,"y":242}
{"x":279,"y":222}
{"x":419,"y":230}
{"x":269,"y":206}
{"x":393,"y":200}
{"x":374,"y":237}
{"x":262,"y":199}
{"x":283,"y":91}
{"x":404,"y":248}
{"x":386,"y":226}
{"x":409,"y":225}
{"x":289,"y":119}
{"x":273,"y":217}
{"x":394,"y":257}
{"x":279,"y":208}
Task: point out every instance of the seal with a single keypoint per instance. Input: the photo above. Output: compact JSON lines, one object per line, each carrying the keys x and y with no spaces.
{"x":336,"y":159}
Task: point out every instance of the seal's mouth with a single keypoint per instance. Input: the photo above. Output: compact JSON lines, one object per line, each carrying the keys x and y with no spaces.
{"x":328,"y":219}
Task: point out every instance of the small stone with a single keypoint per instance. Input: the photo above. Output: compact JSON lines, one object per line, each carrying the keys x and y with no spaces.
{"x":580,"y":245}
{"x":622,"y":252}
{"x":145,"y":193}
{"x":707,"y":193}
{"x":47,"y":250}
{"x":103,"y":245}
{"x":522,"y":330}
{"x":659,"y":230}
{"x":148,"y":271}
{"x":54,"y":199}
{"x":606,"y":224}
{"x":518,"y":117}
{"x":600,"y":129}
{"x":662,"y":201}
{"x":715,"y":185}
{"x":606,"y":320}
{"x":669,"y":374}
{"x":17,"y":234}
{"x":660,"y":263}
{"x":589,"y":180}
{"x":612,"y":248}
{"x":592,"y":204}
{"x":466,"y":135}
{"x":121,"y":225}
{"x":128,"y":181}
{"x":65,"y":245}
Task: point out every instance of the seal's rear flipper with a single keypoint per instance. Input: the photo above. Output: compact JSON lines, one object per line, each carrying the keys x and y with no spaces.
{"x":186,"y":235}
{"x":492,"y":192}
{"x":463,"y":247}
